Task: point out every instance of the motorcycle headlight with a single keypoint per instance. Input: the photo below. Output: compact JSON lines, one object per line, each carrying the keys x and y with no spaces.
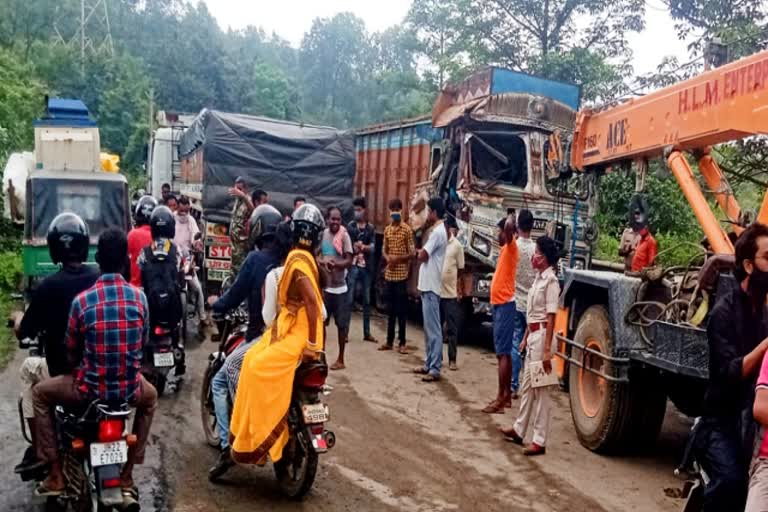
{"x":481,"y":245}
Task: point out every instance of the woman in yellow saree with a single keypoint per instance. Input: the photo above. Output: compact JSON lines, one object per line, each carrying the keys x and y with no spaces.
{"x":259,"y":424}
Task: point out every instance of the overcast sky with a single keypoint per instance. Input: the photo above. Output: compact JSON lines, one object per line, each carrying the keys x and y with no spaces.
{"x":291,"y":18}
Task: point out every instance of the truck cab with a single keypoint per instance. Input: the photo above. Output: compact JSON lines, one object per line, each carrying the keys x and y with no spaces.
{"x":501,"y":150}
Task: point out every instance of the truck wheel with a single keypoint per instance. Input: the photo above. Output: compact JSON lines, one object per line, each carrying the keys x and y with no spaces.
{"x":609,"y":416}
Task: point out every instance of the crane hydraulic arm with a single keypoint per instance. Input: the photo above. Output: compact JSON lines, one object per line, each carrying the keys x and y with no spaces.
{"x":721,"y":105}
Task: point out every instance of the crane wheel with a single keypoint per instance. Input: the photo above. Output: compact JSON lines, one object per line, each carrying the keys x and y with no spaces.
{"x":611,"y":416}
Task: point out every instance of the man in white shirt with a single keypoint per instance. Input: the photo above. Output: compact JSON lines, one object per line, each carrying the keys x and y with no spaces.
{"x":450,"y":307}
{"x":186,"y":231}
{"x":523,"y":280}
{"x":431,"y":256}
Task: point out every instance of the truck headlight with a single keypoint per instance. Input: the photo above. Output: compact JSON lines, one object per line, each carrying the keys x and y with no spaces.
{"x":481,"y":245}
{"x":483,"y":286}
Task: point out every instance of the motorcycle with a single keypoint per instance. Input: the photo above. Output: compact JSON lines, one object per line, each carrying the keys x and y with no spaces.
{"x":161,"y":355}
{"x":232,"y":329}
{"x":308,"y":437}
{"x":307,"y":414}
{"x":93,"y":446}
{"x":694,"y":477}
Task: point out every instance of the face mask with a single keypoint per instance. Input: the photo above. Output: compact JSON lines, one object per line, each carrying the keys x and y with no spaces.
{"x":758,"y":283}
{"x":183,"y":218}
{"x":395,"y":216}
{"x":359,"y":216}
{"x":538,"y":262}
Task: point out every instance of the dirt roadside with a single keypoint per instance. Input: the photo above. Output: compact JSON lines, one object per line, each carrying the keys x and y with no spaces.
{"x":402,"y":445}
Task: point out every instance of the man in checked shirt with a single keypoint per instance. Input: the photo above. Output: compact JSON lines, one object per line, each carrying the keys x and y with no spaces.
{"x":108,"y":324}
{"x":398,"y":251}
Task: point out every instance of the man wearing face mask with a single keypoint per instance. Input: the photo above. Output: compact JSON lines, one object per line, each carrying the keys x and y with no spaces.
{"x":737,"y":330}
{"x":397,"y":251}
{"x":185,"y":239}
{"x":363,"y":238}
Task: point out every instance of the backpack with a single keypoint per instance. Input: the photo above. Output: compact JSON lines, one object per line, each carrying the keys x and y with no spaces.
{"x":160,"y":278}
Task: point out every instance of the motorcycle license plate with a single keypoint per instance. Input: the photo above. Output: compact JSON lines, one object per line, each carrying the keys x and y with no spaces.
{"x":315,"y":413}
{"x":103,"y":454}
{"x":163,"y":359}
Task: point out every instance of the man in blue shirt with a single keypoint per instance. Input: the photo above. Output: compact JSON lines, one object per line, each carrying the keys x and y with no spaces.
{"x":363,"y":237}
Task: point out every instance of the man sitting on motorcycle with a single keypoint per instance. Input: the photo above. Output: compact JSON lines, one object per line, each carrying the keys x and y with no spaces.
{"x":188,"y":241}
{"x":266,"y":254}
{"x":258,"y":425}
{"x":107,"y":328}
{"x":160,"y":267}
{"x":48,"y":311}
{"x":141,"y":235}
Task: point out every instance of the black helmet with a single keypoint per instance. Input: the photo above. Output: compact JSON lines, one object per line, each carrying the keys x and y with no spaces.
{"x":307,"y":225}
{"x":162,"y":223}
{"x":263,"y":224}
{"x":68,"y":239}
{"x":144,"y":208}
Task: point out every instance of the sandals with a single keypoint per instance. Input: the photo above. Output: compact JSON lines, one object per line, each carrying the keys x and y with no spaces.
{"x":494,"y":407}
{"x":420,"y":370}
{"x":430,"y":378}
{"x":42,"y":490}
{"x":511,"y":436}
{"x":385,"y":347}
{"x":403,"y":351}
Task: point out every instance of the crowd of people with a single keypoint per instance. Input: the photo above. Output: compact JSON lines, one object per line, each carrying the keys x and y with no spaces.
{"x":300,"y":271}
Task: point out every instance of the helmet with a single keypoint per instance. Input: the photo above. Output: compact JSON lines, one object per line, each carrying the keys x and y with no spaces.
{"x":68,"y":238}
{"x":162,"y":223}
{"x":307,"y":225}
{"x":144,"y":208}
{"x":263,"y":223}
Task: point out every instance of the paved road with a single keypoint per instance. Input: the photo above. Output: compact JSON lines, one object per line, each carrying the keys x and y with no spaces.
{"x":402,"y":445}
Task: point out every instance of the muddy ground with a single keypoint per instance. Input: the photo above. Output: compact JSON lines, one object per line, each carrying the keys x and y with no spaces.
{"x":401,"y":445}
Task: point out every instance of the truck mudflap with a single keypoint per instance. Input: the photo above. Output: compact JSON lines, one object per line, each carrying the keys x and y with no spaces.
{"x":565,"y":348}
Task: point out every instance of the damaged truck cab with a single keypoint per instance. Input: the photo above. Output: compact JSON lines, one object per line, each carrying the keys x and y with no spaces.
{"x":501,"y":151}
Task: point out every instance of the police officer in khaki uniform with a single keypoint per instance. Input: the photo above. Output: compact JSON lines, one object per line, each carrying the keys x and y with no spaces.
{"x":536,"y":403}
{"x":238,"y":232}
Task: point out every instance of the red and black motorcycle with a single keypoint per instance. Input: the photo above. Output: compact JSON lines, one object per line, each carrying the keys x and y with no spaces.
{"x":307,"y":414}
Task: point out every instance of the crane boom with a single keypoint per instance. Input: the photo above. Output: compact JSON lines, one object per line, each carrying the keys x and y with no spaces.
{"x":721,"y":105}
{"x":726,"y":103}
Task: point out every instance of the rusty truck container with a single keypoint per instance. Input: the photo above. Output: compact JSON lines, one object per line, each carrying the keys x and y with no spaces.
{"x":392,"y":160}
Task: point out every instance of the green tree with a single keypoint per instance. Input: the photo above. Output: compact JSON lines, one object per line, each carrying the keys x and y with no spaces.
{"x":21,"y":101}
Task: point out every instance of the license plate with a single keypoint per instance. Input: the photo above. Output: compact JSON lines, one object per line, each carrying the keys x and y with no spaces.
{"x":103,"y":454}
{"x":163,"y":359}
{"x":315,"y":413}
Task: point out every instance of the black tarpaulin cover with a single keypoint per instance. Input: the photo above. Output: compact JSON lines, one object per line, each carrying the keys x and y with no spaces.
{"x":283,"y":158}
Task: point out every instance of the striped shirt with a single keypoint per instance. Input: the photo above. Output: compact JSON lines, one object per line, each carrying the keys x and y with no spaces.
{"x":108,"y":325}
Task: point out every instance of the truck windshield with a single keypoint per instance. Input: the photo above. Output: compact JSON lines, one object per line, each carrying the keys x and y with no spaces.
{"x":499,"y":156}
{"x":101,"y":205}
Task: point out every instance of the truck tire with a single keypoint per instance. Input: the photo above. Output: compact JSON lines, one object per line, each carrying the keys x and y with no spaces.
{"x":611,"y":416}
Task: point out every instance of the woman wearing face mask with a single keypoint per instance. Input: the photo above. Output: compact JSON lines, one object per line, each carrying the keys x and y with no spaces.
{"x":536,"y":403}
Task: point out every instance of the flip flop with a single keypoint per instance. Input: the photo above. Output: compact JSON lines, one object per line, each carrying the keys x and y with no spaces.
{"x":494,"y":407}
{"x":430,"y":378}
{"x":421,"y":371}
{"x":42,"y":490}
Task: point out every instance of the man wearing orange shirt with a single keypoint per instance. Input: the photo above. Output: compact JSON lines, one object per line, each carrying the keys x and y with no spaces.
{"x":646,"y":250}
{"x":504,"y":311}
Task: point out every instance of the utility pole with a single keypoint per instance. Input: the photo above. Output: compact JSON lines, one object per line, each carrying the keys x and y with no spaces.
{"x":92,"y":34}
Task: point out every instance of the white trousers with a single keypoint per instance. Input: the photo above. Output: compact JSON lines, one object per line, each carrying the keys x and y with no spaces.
{"x":535,"y":403}
{"x":33,"y":370}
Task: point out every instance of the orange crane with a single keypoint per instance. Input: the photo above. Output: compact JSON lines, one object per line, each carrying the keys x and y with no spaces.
{"x":721,"y":105}
{"x":629,"y":343}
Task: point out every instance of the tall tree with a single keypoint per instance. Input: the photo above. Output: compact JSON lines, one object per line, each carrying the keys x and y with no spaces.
{"x":583,"y":41}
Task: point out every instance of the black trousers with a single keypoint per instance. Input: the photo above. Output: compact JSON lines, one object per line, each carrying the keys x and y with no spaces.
{"x":450,"y":315}
{"x":720,"y":449}
{"x":397,"y":302}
